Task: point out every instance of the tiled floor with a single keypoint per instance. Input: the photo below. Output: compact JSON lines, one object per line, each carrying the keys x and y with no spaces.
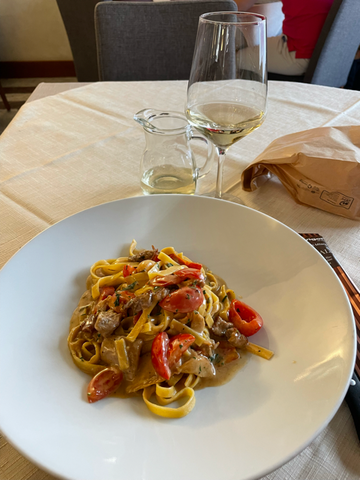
{"x":17,"y":91}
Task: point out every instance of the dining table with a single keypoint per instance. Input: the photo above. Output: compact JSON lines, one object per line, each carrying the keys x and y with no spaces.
{"x":73,"y":146}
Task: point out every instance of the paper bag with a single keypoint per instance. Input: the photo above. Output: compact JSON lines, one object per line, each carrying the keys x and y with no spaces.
{"x":318,"y":167}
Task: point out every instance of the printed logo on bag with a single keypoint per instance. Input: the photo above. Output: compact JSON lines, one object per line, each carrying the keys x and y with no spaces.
{"x":337,"y":199}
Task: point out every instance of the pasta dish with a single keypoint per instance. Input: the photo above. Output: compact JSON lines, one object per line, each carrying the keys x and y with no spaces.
{"x":158,"y":324}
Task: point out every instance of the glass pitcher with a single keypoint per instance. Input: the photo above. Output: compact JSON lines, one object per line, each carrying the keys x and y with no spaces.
{"x":168,"y":164}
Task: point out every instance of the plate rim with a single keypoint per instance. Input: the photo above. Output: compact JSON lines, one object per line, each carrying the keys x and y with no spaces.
{"x":306,"y":443}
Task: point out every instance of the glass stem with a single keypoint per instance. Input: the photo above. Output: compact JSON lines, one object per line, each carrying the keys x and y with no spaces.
{"x":219,"y":180}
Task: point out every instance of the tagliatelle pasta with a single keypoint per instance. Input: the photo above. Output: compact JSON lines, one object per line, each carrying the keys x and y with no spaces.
{"x":158,"y":324}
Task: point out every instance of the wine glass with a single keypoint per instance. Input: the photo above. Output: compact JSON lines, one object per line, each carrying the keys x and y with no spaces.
{"x":227,"y":90}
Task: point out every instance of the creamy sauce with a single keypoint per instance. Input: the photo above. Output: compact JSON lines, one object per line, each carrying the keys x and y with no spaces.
{"x":121,"y":391}
{"x":85,"y":299}
{"x":220,"y":281}
{"x":223,"y":375}
{"x":226,"y":372}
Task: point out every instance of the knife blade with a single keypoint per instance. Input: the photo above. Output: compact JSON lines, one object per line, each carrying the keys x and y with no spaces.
{"x":353,"y":395}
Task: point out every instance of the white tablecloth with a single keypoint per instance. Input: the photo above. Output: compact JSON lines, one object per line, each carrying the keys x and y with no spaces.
{"x":68,"y":152}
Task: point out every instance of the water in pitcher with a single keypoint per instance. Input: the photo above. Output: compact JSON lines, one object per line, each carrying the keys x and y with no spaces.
{"x":168,"y":164}
{"x":169,"y":179}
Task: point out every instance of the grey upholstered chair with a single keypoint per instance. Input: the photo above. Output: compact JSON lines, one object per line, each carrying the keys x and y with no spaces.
{"x":78,"y":19}
{"x":149,"y":41}
{"x":336,"y":47}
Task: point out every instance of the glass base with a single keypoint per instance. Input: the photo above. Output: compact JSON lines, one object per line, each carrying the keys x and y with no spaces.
{"x":225,"y":196}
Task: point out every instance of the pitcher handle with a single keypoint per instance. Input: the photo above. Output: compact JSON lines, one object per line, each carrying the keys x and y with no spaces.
{"x":211,"y":154}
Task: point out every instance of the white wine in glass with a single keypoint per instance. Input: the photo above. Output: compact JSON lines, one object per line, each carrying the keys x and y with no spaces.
{"x":227,"y":90}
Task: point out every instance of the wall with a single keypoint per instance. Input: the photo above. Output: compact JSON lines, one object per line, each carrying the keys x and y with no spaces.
{"x":32,"y":30}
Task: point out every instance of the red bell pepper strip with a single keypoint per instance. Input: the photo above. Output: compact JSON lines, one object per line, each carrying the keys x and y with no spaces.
{"x":128,"y":270}
{"x":183,"y":261}
{"x":120,"y":297}
{"x":177,"y":277}
{"x":106,"y":291}
{"x":137,"y":316}
{"x":245,"y":318}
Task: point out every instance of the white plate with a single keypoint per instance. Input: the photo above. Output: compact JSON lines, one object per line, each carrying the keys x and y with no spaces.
{"x":267,"y":414}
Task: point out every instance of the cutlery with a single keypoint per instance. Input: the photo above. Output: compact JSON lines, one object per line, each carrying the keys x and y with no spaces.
{"x":353,"y":394}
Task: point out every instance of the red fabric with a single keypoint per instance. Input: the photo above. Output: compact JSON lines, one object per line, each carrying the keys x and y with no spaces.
{"x":303,"y":23}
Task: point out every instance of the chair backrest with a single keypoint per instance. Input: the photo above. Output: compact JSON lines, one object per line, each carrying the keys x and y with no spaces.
{"x":336,"y":47}
{"x":78,"y":19}
{"x":149,"y":41}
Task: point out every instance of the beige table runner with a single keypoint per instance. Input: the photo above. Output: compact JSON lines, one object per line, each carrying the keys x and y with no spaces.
{"x":80,"y":148}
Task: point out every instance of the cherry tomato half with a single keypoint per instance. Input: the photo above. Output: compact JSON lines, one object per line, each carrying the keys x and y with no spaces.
{"x":124,"y":295}
{"x":184,"y":300}
{"x":159,"y":350}
{"x":128,"y":270}
{"x":177,"y":346}
{"x":244,"y":318}
{"x":104,"y":383}
{"x":165,"y":354}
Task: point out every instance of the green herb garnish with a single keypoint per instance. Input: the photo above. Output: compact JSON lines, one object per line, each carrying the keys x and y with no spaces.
{"x":216,"y":358}
{"x":117,"y":301}
{"x":131,"y":286}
